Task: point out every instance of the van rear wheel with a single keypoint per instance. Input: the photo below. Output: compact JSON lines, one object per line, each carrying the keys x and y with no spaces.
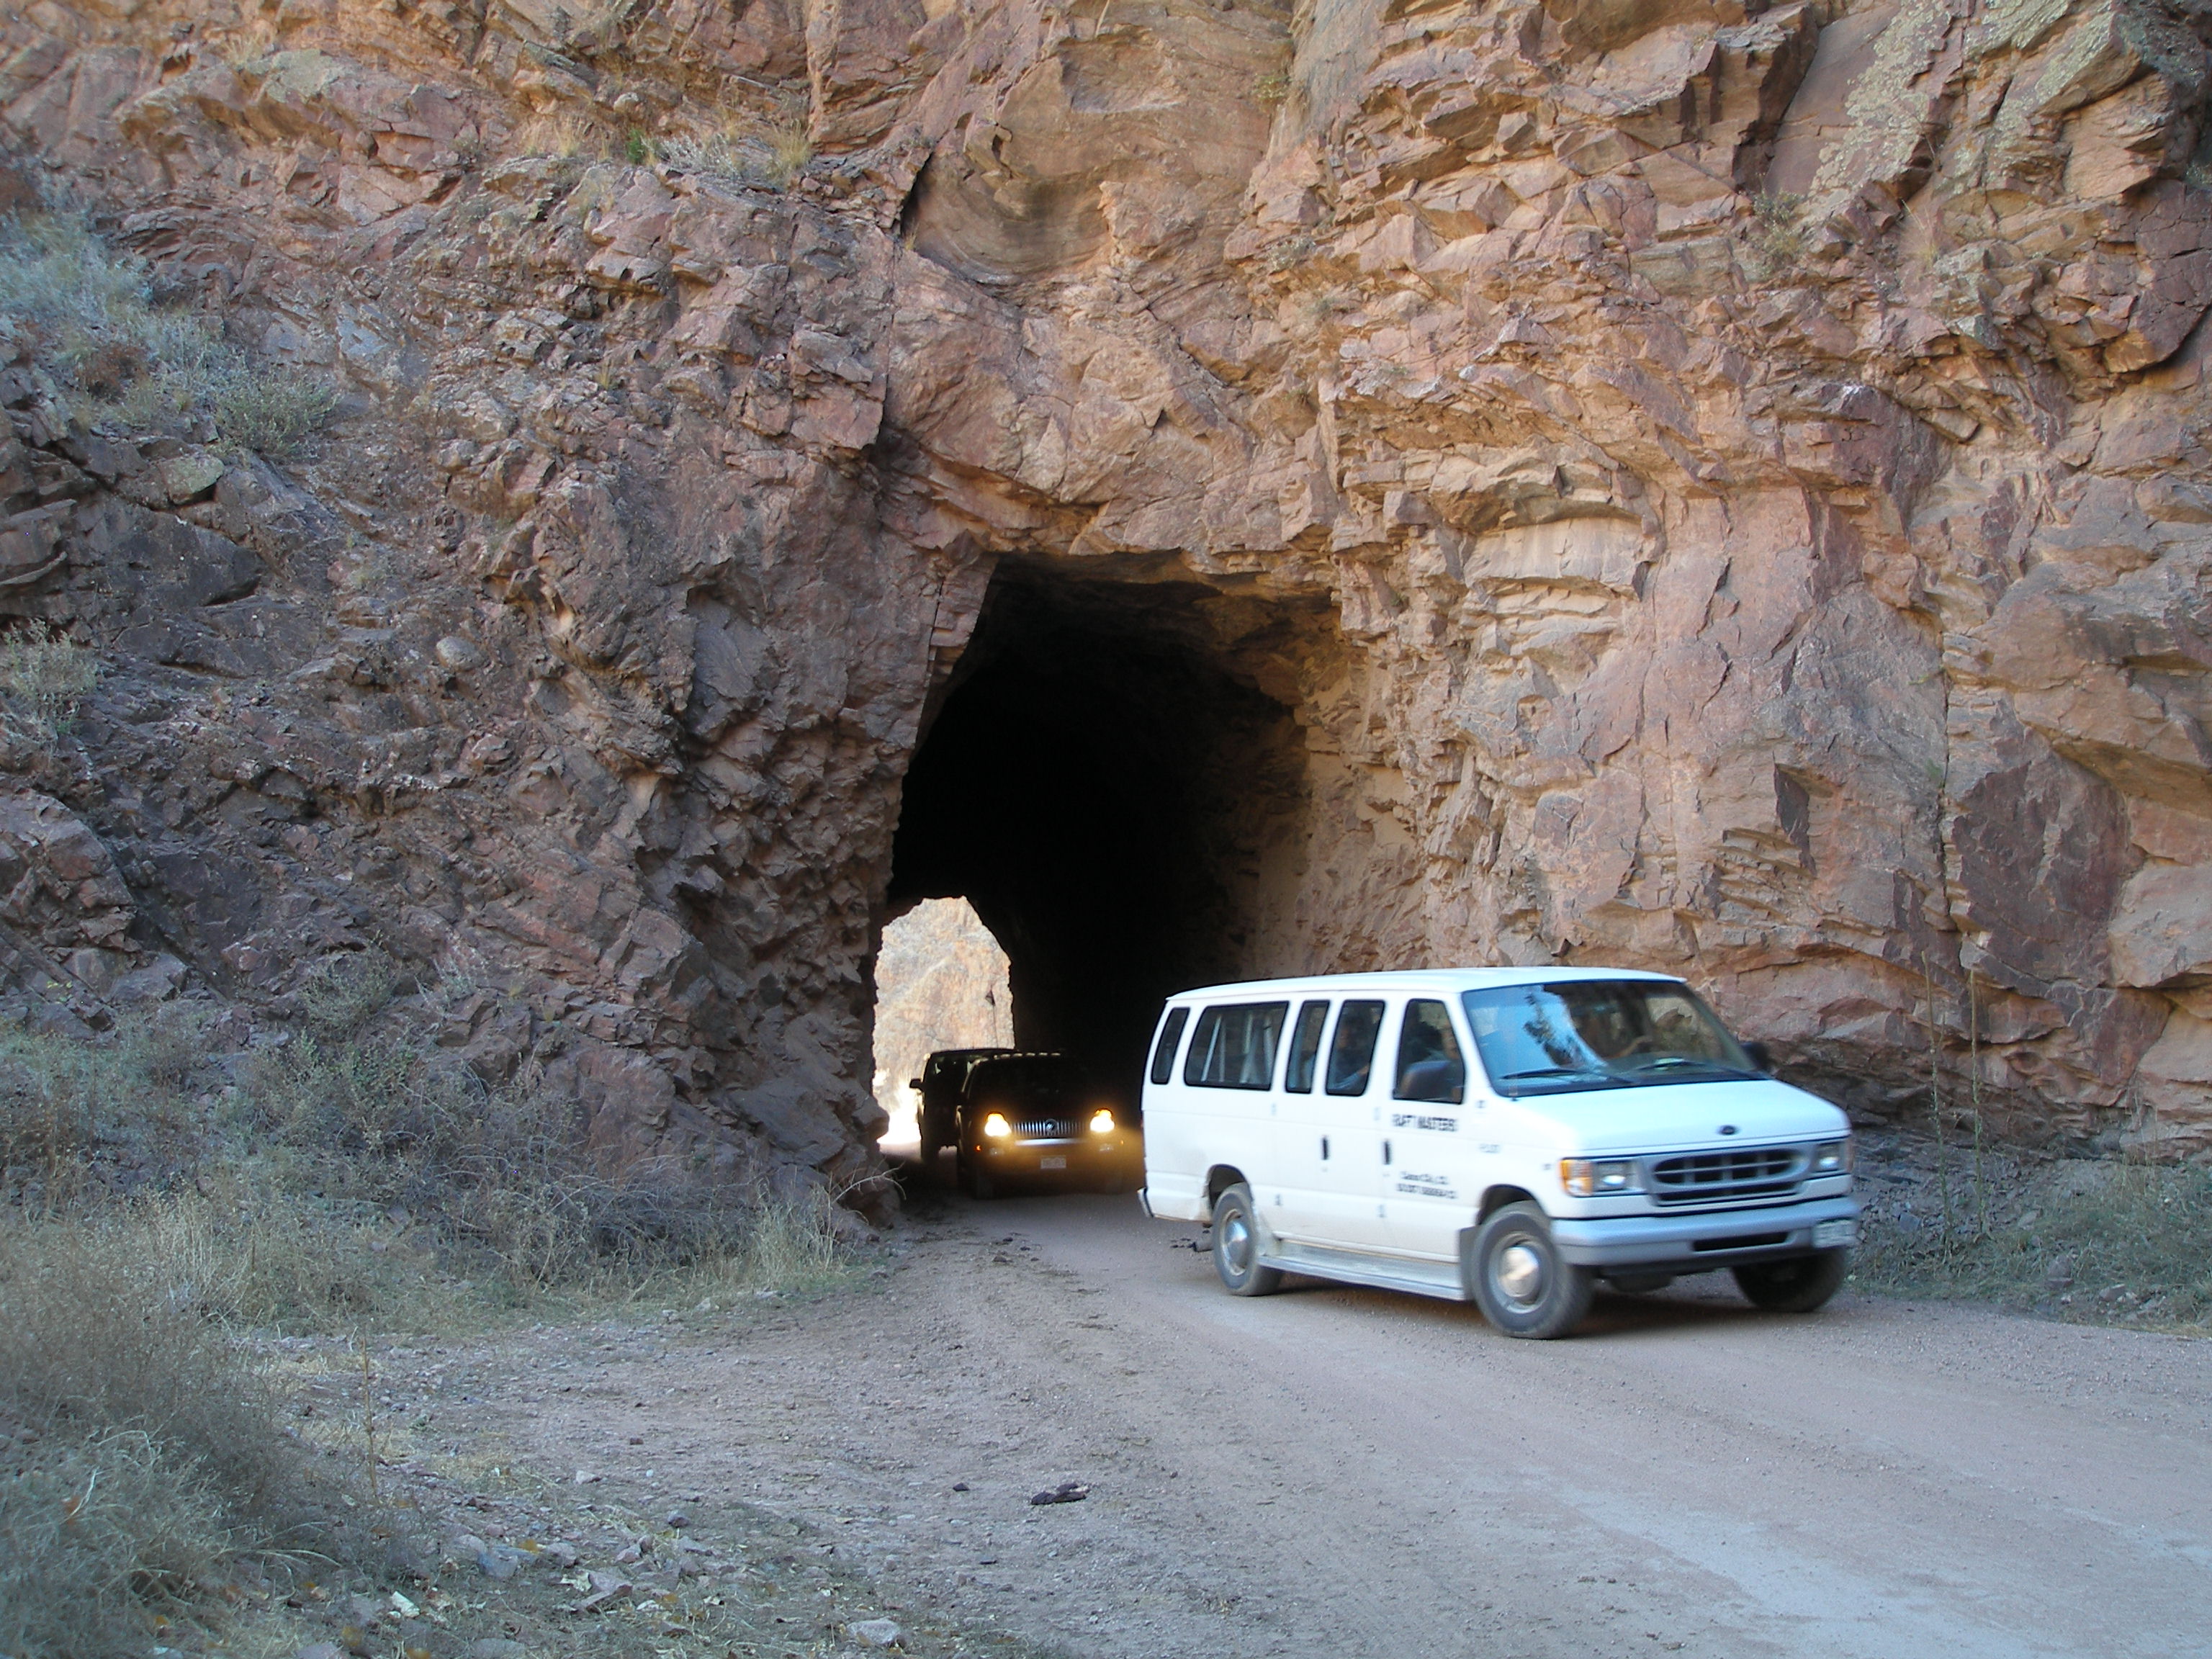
{"x":1519,"y":1280}
{"x":1237,"y":1246}
{"x":1797,"y":1285}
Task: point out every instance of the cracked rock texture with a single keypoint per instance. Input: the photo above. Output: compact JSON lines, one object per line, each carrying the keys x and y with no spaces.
{"x":1713,"y":488}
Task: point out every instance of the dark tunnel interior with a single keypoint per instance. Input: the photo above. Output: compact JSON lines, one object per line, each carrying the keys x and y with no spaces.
{"x":1103,"y":788}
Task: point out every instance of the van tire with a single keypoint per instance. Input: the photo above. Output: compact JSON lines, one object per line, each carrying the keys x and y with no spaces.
{"x":1797,"y":1285}
{"x":1237,"y":1246}
{"x":974,"y":1182}
{"x":1519,"y":1280}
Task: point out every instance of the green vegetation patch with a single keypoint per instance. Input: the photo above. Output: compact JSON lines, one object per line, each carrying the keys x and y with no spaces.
{"x":114,"y":351}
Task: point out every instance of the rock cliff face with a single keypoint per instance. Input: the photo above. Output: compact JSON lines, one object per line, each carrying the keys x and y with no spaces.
{"x":1659,"y":482}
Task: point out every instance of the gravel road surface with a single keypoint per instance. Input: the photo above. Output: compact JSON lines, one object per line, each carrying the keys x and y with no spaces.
{"x":1337,"y":1472}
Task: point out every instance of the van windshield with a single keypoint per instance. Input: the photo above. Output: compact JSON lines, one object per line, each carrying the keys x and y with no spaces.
{"x":1600,"y":1034}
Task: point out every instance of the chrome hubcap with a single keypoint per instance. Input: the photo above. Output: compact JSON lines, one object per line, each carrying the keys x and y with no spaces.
{"x":1236,"y":1242}
{"x":1519,"y":1273}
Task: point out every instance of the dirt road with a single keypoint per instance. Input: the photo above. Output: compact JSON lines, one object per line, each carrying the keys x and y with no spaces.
{"x":1332,"y":1472}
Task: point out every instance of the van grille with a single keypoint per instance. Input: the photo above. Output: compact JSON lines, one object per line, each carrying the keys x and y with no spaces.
{"x":1702,"y":1177}
{"x":1045,"y":1128}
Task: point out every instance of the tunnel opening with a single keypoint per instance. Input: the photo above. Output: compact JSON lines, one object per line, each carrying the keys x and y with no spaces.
{"x":940,"y":983}
{"x":1115,"y":780}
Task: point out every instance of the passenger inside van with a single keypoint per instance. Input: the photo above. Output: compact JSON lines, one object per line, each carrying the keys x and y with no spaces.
{"x":1429,"y":1065}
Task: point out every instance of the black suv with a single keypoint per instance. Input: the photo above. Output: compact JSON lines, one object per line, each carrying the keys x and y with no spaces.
{"x":943,"y":1076}
{"x":1030,"y":1116}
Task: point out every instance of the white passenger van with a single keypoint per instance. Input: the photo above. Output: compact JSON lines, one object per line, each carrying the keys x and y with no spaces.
{"x":1508,"y":1134}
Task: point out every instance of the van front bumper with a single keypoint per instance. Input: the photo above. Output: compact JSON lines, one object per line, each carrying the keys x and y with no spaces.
{"x":1714,"y":1238}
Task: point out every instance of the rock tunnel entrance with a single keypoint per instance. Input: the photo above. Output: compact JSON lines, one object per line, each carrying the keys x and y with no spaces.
{"x":1106,"y":782}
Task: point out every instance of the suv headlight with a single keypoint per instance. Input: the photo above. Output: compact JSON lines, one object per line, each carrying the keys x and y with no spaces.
{"x":1832,"y":1157}
{"x":1102,"y":1123}
{"x":1589,"y":1177}
{"x":996,"y":1127}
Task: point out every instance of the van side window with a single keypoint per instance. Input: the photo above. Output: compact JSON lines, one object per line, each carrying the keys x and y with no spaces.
{"x":1429,"y":1064}
{"x":1171,"y":1040}
{"x":1352,"y":1054}
{"x":1306,"y":1048}
{"x":1234,"y":1047}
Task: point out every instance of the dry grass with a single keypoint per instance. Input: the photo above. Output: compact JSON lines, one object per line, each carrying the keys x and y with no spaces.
{"x":112,"y":354}
{"x":773,"y":154}
{"x":1776,"y":237}
{"x":143,"y":1476}
{"x":43,"y":680}
{"x":2108,"y":1241}
{"x":353,"y":1173}
{"x":162,"y":1217}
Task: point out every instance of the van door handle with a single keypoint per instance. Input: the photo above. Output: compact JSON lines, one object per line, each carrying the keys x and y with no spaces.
{"x":1386,"y":1152}
{"x":1324,"y":1148}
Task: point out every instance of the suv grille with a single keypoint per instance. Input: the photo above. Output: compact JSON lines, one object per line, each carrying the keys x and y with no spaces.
{"x":1045,"y":1128}
{"x":1701,"y":1177}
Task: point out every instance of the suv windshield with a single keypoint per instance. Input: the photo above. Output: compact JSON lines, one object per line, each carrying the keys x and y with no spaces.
{"x":1031,"y":1080}
{"x":1600,"y":1034}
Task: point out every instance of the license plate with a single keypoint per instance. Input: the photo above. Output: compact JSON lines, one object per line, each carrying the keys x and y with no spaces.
{"x":1826,"y":1235}
{"x":1052,"y":1164}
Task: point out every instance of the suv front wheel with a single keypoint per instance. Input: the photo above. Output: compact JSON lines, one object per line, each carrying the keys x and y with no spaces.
{"x":1518,"y":1279}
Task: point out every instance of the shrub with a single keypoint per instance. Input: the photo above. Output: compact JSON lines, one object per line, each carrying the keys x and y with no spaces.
{"x":774,"y":156}
{"x":143,"y":1466}
{"x":1776,"y":236}
{"x":271,"y":411}
{"x":98,"y":1536}
{"x":58,"y":1098}
{"x":94,"y":325}
{"x":2083,"y":1239}
{"x":44,"y":679}
{"x":351,"y":1173}
{"x":345,"y":990}
{"x":789,"y":149}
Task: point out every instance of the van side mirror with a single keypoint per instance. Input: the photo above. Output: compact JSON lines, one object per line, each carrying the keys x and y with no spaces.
{"x":1761,"y":1056}
{"x":914,"y":1083}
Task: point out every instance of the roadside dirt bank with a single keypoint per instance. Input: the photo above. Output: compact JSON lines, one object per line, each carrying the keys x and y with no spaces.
{"x":1341,"y":1473}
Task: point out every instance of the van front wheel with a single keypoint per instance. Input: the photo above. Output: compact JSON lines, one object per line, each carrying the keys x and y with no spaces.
{"x":1519,"y":1280}
{"x":1237,"y":1246}
{"x":1797,"y":1285}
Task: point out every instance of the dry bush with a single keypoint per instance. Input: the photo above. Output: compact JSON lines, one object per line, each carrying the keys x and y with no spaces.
{"x":343,"y":991}
{"x":790,"y":148}
{"x":773,"y":153}
{"x":91,"y":318}
{"x":2079,"y":1238}
{"x":98,"y":1537}
{"x":58,"y":1097}
{"x":1777,"y":237}
{"x":351,"y":1173}
{"x":142,"y":1467}
{"x":271,"y":411}
{"x":43,"y":680}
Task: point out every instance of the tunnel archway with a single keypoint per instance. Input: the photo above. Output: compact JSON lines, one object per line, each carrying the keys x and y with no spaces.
{"x":1107,"y":784}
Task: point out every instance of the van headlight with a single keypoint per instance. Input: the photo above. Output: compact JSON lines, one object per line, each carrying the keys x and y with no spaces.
{"x":1591,"y":1177}
{"x":1102,"y":1123}
{"x":1832,"y":1157}
{"x":995,"y":1127}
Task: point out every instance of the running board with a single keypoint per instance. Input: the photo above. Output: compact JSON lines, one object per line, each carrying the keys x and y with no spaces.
{"x":1438,"y":1279}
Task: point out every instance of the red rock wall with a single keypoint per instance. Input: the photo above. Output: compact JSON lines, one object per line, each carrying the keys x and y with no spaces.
{"x":1752,"y":462}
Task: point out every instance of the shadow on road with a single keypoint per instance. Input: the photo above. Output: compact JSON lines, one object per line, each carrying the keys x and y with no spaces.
{"x":1704,"y":1302}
